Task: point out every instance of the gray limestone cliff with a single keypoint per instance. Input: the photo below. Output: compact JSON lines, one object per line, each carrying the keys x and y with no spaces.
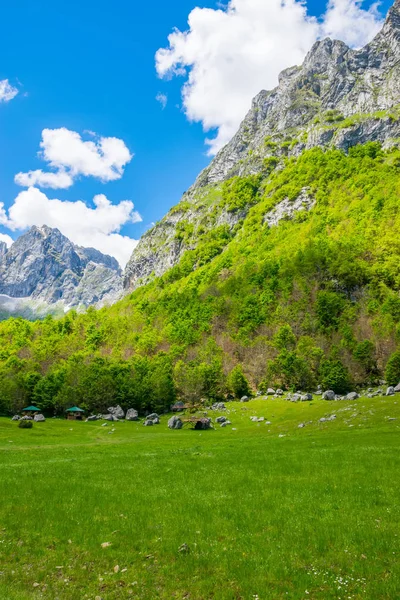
{"x":338,"y":98}
{"x":45,"y":267}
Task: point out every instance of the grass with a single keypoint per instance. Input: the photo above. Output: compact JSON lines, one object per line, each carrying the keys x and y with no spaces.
{"x":313,"y":514}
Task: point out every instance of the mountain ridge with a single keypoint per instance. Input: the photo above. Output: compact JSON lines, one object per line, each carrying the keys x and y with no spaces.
{"x":338,"y":98}
{"x":45,"y":267}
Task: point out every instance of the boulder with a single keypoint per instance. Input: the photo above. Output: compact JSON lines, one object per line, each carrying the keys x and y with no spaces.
{"x":26,"y":418}
{"x":259,"y":393}
{"x":16,"y":418}
{"x":175,"y":423}
{"x":154,"y":418}
{"x":148,"y":423}
{"x":301,"y":425}
{"x":306,"y":397}
{"x":329,"y":395}
{"x":397,"y":388}
{"x":226,"y":423}
{"x":254,"y":419}
{"x":39,"y":418}
{"x":279,"y":392}
{"x":218,"y":406}
{"x":116,"y":411}
{"x":92,"y":418}
{"x":221,"y":419}
{"x":390,"y":391}
{"x":295,"y":397}
{"x":204,"y":423}
{"x":260,"y":419}
{"x":109,"y":418}
{"x":132,"y":415}
{"x":270,"y":392}
{"x":244,"y":399}
{"x":352,"y":396}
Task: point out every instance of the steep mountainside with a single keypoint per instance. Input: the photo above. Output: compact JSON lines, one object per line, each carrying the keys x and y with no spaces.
{"x":44,"y":267}
{"x":338,"y":98}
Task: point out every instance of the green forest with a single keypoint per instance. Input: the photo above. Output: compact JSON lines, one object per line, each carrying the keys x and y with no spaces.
{"x":311,"y":301}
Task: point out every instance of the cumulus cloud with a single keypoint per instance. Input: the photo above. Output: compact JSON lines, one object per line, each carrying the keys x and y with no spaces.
{"x":96,"y":226}
{"x":71,"y":157}
{"x":6,"y":239}
{"x":162,"y":99}
{"x":7,"y":91}
{"x":229,"y":54}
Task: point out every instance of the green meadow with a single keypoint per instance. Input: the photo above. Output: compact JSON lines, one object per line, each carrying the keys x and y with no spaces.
{"x":252,"y":511}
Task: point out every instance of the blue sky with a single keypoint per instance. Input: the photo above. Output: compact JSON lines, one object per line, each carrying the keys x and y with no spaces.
{"x":90,"y":66}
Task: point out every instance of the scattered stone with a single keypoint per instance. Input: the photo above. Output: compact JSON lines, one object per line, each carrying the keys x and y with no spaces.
{"x":244,"y":399}
{"x":105,"y":425}
{"x":301,"y":425}
{"x":39,"y":418}
{"x":295,"y":397}
{"x":16,"y":418}
{"x":270,"y":392}
{"x":281,"y":435}
{"x":116,"y":569}
{"x":109,"y":417}
{"x":254,"y":419}
{"x":329,"y":395}
{"x":175,"y":423}
{"x":260,"y":419}
{"x":352,"y":396}
{"x":306,"y":397}
{"x":221,"y":419}
{"x":93,"y":418}
{"x":390,"y":391}
{"x":259,"y":393}
{"x":218,"y":406}
{"x":116,"y":411}
{"x":26,"y":418}
{"x":268,"y":423}
{"x":184,"y":549}
{"x":148,"y":423}
{"x":392,"y":419}
{"x":279,"y":392}
{"x":226,"y":423}
{"x":397,"y":388}
{"x":106,"y":544}
{"x":132,"y":415}
{"x":154,"y":418}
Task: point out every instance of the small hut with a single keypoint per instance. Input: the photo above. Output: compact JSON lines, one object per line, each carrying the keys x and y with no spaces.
{"x":30,"y":410}
{"x":74,"y":414}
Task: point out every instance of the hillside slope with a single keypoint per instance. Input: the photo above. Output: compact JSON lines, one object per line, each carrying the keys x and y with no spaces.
{"x":306,"y":292}
{"x":338,"y":98}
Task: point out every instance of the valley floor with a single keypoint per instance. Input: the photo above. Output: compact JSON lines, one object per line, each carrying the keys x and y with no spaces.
{"x":235,"y":513}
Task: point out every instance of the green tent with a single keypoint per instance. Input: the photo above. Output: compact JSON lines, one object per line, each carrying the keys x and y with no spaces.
{"x":31,"y":409}
{"x":75,"y":409}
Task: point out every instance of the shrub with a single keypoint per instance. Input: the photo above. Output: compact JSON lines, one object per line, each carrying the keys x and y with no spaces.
{"x":238,"y":383}
{"x":335,"y":376}
{"x":393,"y":369}
{"x":25,"y":424}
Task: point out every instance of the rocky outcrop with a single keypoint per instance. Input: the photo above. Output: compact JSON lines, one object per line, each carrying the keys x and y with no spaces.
{"x":46,"y":267}
{"x":338,"y":97}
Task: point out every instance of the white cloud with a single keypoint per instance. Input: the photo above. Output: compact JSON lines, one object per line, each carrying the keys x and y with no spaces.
{"x":96,"y":227}
{"x":6,"y":239}
{"x":162,"y":99}
{"x":229,"y":55}
{"x":57,"y":180}
{"x":7,"y":91}
{"x":345,"y":20}
{"x":70,"y":156}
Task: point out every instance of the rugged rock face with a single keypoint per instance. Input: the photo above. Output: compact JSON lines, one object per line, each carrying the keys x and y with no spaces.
{"x":339,"y":97}
{"x":45,"y":267}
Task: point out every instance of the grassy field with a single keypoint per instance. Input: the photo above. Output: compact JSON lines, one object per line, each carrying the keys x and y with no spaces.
{"x":250,"y":511}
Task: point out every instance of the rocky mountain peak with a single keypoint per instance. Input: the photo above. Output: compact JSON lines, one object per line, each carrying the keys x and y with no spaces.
{"x":44,"y":265}
{"x":338,"y":97}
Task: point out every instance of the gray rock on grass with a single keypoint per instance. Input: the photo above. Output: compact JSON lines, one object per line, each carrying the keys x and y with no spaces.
{"x":132,"y":414}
